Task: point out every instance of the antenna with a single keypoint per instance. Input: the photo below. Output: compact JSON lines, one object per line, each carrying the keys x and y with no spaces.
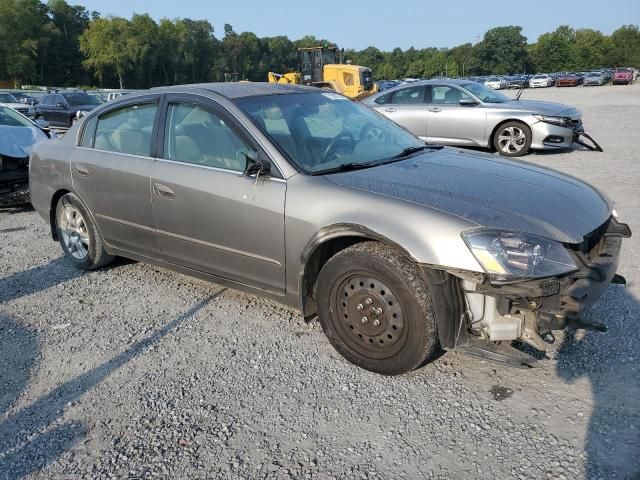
{"x":520,"y":92}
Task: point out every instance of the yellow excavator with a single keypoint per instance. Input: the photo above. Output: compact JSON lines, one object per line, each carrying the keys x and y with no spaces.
{"x":323,"y":67}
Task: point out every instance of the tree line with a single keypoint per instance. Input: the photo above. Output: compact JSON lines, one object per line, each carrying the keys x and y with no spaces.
{"x":55,"y":43}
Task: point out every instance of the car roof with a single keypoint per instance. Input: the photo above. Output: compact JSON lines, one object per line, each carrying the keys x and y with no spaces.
{"x":450,"y":81}
{"x":233,"y":90}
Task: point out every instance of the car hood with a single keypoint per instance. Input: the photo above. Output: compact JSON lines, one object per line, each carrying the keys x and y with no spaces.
{"x":18,"y":142}
{"x":15,"y":105}
{"x":536,"y":107}
{"x":82,"y":108}
{"x":489,"y":191}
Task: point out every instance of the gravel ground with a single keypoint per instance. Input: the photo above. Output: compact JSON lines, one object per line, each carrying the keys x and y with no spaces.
{"x":138,"y":372}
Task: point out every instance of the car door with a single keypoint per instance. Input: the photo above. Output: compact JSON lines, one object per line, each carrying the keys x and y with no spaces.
{"x":209,"y":217}
{"x":44,"y":108}
{"x":451,"y":123}
{"x":58,"y":110}
{"x":407,"y":107}
{"x":111,"y":172}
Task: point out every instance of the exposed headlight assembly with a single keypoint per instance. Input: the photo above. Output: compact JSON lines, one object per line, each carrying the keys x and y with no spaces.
{"x":560,"y":121}
{"x":510,"y":256}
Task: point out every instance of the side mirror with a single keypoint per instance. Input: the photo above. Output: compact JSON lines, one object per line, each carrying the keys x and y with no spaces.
{"x":42,"y":123}
{"x":467,"y":102}
{"x":255,"y":166}
{"x":61,"y":105}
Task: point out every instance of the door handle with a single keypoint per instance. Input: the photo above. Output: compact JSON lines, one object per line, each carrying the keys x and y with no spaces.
{"x":82,"y":171}
{"x":435,"y":109}
{"x":390,"y":109}
{"x":163,"y":191}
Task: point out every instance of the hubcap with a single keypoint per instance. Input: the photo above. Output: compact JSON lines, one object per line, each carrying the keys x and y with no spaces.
{"x":369,"y":313}
{"x":511,"y":140}
{"x":75,"y":235}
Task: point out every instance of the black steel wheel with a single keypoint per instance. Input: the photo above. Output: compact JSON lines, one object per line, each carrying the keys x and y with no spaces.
{"x":374,"y":306}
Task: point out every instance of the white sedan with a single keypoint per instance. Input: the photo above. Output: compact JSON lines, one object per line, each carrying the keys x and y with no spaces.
{"x":497,"y":83}
{"x":540,"y":81}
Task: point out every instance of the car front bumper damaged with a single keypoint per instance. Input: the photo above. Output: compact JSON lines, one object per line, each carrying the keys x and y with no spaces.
{"x":529,"y":311}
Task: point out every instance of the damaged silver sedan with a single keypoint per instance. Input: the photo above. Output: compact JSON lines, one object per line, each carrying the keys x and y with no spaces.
{"x":401,"y":249}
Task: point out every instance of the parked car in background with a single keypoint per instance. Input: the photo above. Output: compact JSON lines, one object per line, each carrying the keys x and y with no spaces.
{"x":399,"y":248}
{"x":517,"y":81}
{"x":568,"y":80}
{"x":538,"y":81}
{"x":463,"y":113}
{"x":595,"y":78}
{"x":497,"y":83}
{"x":25,"y":98}
{"x":18,"y":136}
{"x":387,"y":84}
{"x":63,"y":109}
{"x":8,"y":100}
{"x":623,"y":76}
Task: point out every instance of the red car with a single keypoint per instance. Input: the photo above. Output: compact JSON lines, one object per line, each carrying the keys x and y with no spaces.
{"x":623,"y":75}
{"x":569,"y":80}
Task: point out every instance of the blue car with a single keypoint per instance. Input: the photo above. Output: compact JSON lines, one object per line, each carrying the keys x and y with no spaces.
{"x":18,"y":137}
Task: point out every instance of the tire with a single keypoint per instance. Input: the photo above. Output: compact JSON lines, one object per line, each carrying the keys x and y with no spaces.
{"x":78,"y":235}
{"x":512,"y":139}
{"x":375,"y":308}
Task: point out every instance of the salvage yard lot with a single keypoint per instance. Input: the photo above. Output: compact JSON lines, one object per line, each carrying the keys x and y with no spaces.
{"x":135,"y":371}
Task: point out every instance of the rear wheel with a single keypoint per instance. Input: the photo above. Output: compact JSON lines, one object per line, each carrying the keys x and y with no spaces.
{"x":374,"y":306}
{"x":78,"y":236}
{"x":512,"y":139}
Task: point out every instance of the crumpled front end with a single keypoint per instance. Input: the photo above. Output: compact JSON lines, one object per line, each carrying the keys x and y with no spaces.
{"x":528,"y":310}
{"x":14,"y":180}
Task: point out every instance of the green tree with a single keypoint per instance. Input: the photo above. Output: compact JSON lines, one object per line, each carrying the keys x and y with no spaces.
{"x":591,"y":49}
{"x":625,"y":48}
{"x":554,"y":50}
{"x":109,"y":43}
{"x":60,"y":56}
{"x":503,"y":50}
{"x":22,"y":26}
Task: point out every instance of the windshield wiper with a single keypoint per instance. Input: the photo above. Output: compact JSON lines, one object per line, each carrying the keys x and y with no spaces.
{"x":345,"y":167}
{"x":411,"y":150}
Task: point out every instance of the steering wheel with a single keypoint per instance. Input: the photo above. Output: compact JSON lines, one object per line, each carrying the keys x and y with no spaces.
{"x":371,"y":132}
{"x":333,"y":143}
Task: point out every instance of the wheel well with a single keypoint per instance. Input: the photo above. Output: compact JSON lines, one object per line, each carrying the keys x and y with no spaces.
{"x":495,"y":129}
{"x":319,"y":256}
{"x":52,"y":211}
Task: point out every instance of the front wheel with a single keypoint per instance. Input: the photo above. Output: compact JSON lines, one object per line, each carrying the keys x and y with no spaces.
{"x":512,"y":139}
{"x":78,"y":236}
{"x":375,"y":308}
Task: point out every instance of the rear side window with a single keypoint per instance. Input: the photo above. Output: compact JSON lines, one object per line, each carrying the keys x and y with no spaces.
{"x":126,"y":130}
{"x":384,"y":99}
{"x":408,"y":96}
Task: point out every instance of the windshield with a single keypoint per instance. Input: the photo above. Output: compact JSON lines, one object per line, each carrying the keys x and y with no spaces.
{"x":7,"y":98}
{"x":322,"y":131}
{"x":485,"y":94}
{"x":81,"y":98}
{"x":11,"y":118}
